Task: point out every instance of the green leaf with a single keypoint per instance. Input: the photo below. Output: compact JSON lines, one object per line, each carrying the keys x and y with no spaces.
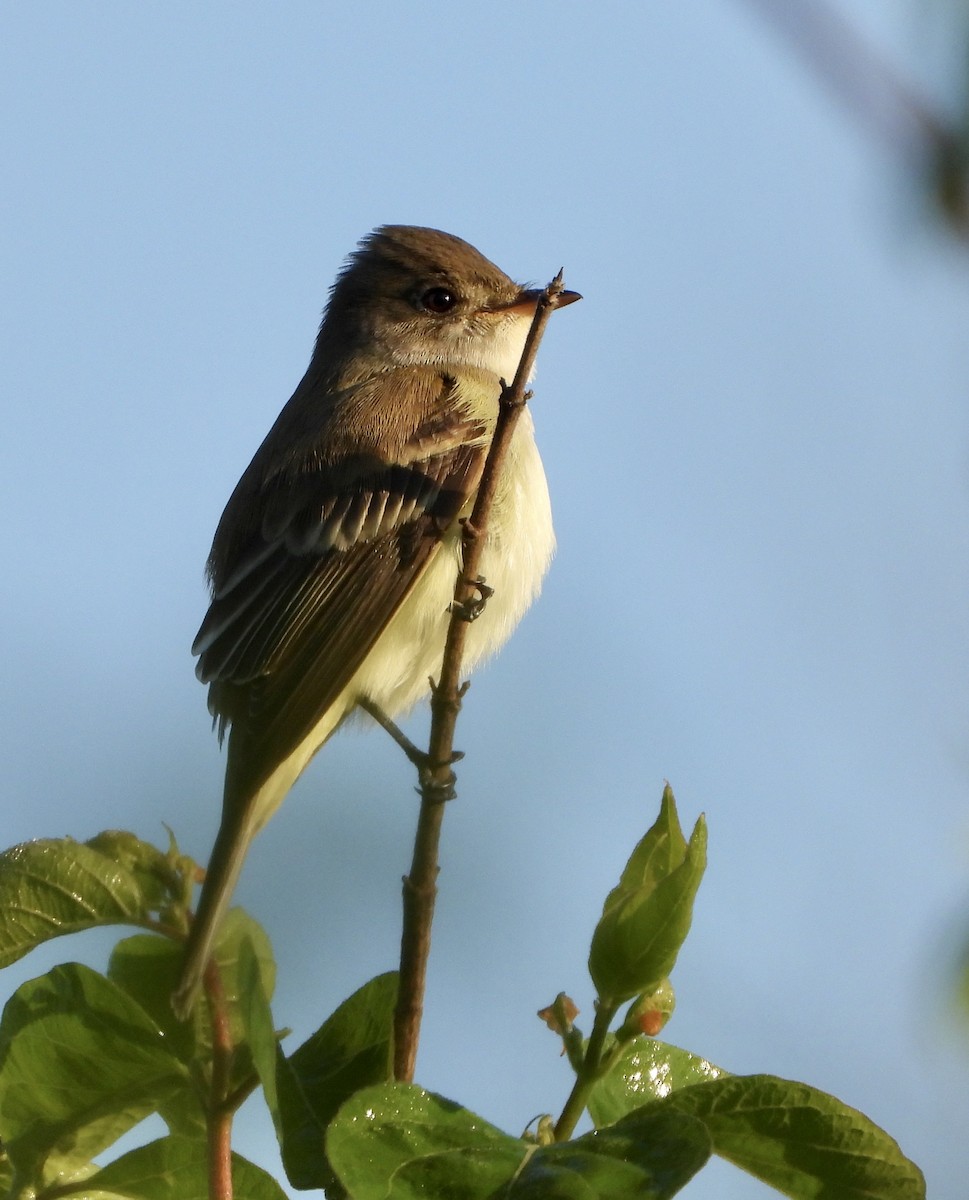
{"x":659,"y":853}
{"x":239,"y":929}
{"x":648,"y":1070}
{"x":396,"y":1140}
{"x":639,"y":1158}
{"x":802,"y":1142}
{"x":80,"y":1063}
{"x":175,"y":1168}
{"x":53,"y":887}
{"x":401,"y":1143}
{"x":258,"y":1022}
{"x":6,"y":1174}
{"x":642,"y":928}
{"x":351,"y":1050}
{"x":146,"y":966}
{"x":160,"y":875}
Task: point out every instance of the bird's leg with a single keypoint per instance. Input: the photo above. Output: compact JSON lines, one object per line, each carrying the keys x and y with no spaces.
{"x":474,"y":603}
{"x":415,"y":754}
{"x":472,"y":608}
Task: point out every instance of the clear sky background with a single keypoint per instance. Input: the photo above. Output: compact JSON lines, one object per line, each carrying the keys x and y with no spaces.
{"x":756,"y":431}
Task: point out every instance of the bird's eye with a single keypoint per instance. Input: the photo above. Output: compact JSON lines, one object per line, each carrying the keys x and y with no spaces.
{"x":438,"y":300}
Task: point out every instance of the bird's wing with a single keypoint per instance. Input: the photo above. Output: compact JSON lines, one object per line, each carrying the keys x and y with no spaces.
{"x":336,"y":549}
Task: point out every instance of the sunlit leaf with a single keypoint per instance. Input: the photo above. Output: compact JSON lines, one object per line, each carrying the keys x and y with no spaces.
{"x":80,"y":1063}
{"x":645,"y":1156}
{"x":802,"y":1142}
{"x":351,"y":1050}
{"x":53,"y":887}
{"x":174,"y":1168}
{"x":648,"y":1070}
{"x":147,"y":966}
{"x":659,"y":852}
{"x":638,"y":938}
{"x":382,"y":1131}
{"x":402,"y":1143}
{"x":258,"y":1023}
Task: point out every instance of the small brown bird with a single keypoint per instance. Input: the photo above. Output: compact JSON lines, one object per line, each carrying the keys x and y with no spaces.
{"x":334,"y":563}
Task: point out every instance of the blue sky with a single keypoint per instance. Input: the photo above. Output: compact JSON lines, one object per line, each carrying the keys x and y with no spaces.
{"x":756,"y":435}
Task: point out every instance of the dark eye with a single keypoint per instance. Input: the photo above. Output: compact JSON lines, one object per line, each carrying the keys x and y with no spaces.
{"x":439,"y":300}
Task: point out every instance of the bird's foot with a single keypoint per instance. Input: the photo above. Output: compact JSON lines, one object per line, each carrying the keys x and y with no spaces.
{"x":472,"y":608}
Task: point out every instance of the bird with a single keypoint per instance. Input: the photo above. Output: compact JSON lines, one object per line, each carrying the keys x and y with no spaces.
{"x":333,"y":565}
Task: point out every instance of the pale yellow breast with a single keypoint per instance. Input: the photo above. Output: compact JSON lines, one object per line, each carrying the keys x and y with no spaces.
{"x":395,"y":674}
{"x":514,"y":562}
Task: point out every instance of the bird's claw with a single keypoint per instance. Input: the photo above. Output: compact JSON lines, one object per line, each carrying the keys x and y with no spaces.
{"x":437,"y":780}
{"x":472,"y":608}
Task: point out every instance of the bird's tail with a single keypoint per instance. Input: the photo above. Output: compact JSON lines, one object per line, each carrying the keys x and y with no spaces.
{"x":244,"y":812}
{"x":239,"y":826}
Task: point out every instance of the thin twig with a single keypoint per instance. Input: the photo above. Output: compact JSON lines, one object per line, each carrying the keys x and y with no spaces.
{"x":219,"y":1113}
{"x":589,"y":1072}
{"x":437,"y":778}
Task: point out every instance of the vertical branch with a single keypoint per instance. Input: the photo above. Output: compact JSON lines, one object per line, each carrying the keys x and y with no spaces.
{"x":218,"y":1120}
{"x":436,"y":777}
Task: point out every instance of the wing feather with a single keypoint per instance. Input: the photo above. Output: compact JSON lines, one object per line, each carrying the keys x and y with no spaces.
{"x":332,"y":552}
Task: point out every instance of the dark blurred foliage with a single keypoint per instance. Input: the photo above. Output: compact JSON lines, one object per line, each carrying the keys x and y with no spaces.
{"x":929,"y":133}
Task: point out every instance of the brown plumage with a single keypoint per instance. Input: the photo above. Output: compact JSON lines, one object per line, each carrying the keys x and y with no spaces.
{"x":335,"y":558}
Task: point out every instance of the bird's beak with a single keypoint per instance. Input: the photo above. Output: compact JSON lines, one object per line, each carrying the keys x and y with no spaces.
{"x":529,"y":297}
{"x":567,"y":297}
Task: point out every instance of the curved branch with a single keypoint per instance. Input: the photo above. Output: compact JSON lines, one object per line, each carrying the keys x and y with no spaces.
{"x":437,"y":777}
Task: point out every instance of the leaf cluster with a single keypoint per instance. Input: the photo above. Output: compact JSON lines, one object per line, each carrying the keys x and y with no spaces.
{"x":85,"y":1056}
